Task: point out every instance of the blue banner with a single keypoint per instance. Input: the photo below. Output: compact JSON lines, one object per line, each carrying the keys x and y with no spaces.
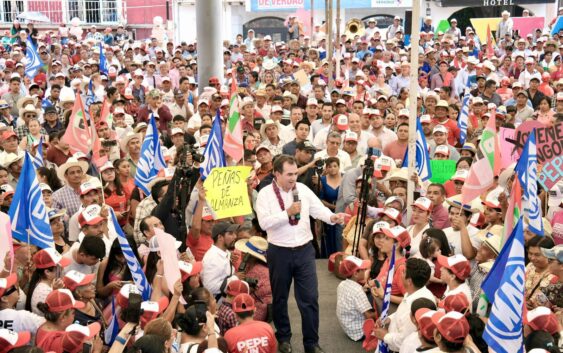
{"x":504,"y":287}
{"x":152,"y":160}
{"x":34,"y":62}
{"x":213,"y":153}
{"x":132,"y":262}
{"x":28,"y":213}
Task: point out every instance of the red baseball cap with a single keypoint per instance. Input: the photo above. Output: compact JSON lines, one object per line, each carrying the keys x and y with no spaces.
{"x":49,"y":257}
{"x":453,"y":326}
{"x":7,"y":134}
{"x":10,"y":339}
{"x":7,"y":283}
{"x":62,"y":299}
{"x":426,"y":326}
{"x":456,"y":302}
{"x":400,"y":234}
{"x":237,"y":287}
{"x":74,"y":279}
{"x":352,"y":264}
{"x":122,"y":297}
{"x":341,"y":122}
{"x":189,"y":269}
{"x":392,"y":213}
{"x":76,"y":335}
{"x":542,"y":319}
{"x":151,"y":309}
{"x":243,"y":303}
{"x":90,"y":216}
{"x":458,"y":264}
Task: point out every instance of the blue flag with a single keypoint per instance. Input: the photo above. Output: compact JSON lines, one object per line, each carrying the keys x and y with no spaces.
{"x":422,"y":155}
{"x":463,"y":119}
{"x":152,"y":160}
{"x":90,"y":98}
{"x":135,"y":268}
{"x":527,"y":171}
{"x":213,"y":153}
{"x":28,"y":213}
{"x":504,"y":286}
{"x":38,"y":158}
{"x":382,"y":347}
{"x":34,"y":62}
{"x":112,"y":330}
{"x":103,"y":61}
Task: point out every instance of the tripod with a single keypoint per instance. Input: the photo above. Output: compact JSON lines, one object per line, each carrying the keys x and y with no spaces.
{"x":363,"y":198}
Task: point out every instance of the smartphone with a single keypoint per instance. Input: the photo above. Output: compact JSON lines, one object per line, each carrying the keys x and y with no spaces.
{"x":86,"y":348}
{"x":133,"y":311}
{"x":59,"y":272}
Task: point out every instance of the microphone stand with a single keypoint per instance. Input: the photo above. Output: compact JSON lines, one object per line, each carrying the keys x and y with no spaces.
{"x":363,"y":198}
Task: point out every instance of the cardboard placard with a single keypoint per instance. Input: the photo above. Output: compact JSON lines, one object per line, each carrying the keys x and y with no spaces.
{"x":442,"y":170}
{"x":227,"y":193}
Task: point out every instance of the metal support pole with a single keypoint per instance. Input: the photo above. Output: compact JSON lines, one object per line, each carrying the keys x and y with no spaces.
{"x":209,"y":19}
{"x":312,"y":26}
{"x":413,"y":91}
{"x":337,"y":40}
{"x":330,"y":45}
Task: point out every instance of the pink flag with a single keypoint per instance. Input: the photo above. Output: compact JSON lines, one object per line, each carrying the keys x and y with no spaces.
{"x":480,"y":178}
{"x":514,"y":209}
{"x":96,"y":149}
{"x":6,"y":242}
{"x":167,"y":245}
{"x":78,"y":134}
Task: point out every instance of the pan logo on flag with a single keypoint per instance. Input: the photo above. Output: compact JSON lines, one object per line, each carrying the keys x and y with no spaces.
{"x":38,"y":210}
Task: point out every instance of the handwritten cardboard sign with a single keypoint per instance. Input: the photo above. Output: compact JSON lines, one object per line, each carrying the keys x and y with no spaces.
{"x":549,"y":141}
{"x":226,"y":191}
{"x":442,"y":170}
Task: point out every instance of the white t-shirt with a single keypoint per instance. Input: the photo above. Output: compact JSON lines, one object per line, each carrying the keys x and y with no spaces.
{"x":411,"y":343}
{"x":454,"y":238}
{"x":40,"y":293}
{"x":20,"y":320}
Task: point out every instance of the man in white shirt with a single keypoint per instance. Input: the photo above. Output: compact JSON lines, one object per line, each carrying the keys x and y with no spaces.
{"x":11,"y":319}
{"x":333,"y":142}
{"x":217,"y":267}
{"x":379,"y":130}
{"x":462,"y":236}
{"x":291,"y":255}
{"x":417,"y":274}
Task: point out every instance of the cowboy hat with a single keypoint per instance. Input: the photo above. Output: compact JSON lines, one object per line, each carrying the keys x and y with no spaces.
{"x":269,"y":65}
{"x":455,"y":201}
{"x":11,"y":158}
{"x":254,"y":246}
{"x":25,"y":100}
{"x":71,"y":162}
{"x":125,"y":140}
{"x":267,"y":123}
{"x":29,"y":108}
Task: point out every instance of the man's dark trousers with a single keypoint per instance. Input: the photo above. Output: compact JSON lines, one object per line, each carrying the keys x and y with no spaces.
{"x":285,"y":265}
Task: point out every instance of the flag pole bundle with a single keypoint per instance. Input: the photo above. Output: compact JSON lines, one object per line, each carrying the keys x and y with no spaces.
{"x":152,"y":159}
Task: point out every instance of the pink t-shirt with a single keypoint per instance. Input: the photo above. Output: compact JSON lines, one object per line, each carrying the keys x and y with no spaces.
{"x":557,"y":224}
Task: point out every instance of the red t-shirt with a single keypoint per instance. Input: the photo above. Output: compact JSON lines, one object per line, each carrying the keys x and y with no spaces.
{"x":200,"y":245}
{"x":398,"y":287}
{"x":252,"y":336}
{"x":50,"y":341}
{"x":453,"y":130}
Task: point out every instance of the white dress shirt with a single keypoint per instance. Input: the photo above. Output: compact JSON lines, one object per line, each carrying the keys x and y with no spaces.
{"x":343,"y":157}
{"x":287,"y":133}
{"x":216,"y":267}
{"x":385,"y":136}
{"x":276,"y":222}
{"x":401,"y":324}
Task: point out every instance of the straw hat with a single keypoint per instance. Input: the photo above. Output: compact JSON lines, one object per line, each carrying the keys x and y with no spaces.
{"x":125,"y":141}
{"x":24,"y":101}
{"x":71,"y":162}
{"x":29,"y":108}
{"x":268,"y":122}
{"x":255,"y":246}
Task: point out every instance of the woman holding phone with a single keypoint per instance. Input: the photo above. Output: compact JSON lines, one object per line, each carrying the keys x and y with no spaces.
{"x":45,"y":278}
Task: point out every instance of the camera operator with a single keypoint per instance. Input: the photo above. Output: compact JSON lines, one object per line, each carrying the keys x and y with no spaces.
{"x":255,"y":272}
{"x":170,"y":209}
{"x":306,"y":165}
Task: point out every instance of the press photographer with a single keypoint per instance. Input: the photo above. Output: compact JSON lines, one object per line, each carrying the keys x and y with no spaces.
{"x":171,"y":209}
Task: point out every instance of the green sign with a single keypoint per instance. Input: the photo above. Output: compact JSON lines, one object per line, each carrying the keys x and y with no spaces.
{"x":442,"y":170}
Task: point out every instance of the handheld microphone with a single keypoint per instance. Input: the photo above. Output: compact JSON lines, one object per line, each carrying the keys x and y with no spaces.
{"x":296,"y":199}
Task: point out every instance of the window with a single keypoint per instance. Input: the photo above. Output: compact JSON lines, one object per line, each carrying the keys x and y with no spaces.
{"x":94,"y":11}
{"x":10,"y":9}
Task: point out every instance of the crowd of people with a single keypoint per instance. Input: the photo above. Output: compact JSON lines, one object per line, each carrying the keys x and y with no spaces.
{"x":307,"y":143}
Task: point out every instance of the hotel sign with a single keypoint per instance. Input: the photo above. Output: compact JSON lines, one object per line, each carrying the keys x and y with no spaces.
{"x":490,"y":3}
